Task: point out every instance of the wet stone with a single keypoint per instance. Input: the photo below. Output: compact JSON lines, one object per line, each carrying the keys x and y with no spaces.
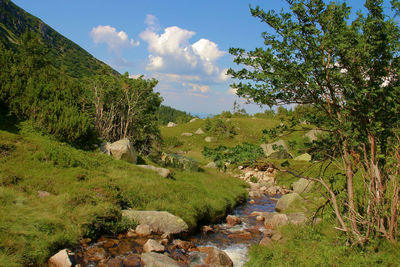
{"x":115,"y":262}
{"x":132,"y":261}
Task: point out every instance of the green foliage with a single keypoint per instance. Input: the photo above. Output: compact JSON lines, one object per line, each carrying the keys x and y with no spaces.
{"x":219,"y":127}
{"x":172,"y":142}
{"x":239,"y":154}
{"x":167,"y":114}
{"x":179,"y":161}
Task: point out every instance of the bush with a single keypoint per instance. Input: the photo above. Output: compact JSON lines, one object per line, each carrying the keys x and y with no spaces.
{"x":219,"y":127}
{"x":180,"y":162}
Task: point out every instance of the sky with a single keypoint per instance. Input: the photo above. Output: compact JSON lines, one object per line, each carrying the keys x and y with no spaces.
{"x":184,"y":44}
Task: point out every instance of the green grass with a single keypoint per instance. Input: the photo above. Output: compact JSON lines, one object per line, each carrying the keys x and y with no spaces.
{"x":321,"y":246}
{"x":88,"y":191}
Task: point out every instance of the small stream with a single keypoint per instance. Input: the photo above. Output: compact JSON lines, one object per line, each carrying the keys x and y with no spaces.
{"x":235,"y":240}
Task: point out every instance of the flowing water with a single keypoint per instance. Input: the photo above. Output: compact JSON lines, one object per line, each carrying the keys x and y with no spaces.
{"x":235,"y":241}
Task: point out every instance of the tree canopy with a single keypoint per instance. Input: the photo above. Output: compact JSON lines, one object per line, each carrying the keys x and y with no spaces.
{"x":349,"y":71}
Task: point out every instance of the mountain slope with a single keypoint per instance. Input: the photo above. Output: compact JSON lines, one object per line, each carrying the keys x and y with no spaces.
{"x":14,"y":21}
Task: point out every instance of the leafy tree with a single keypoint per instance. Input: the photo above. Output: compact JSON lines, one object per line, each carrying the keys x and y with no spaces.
{"x":349,"y":72}
{"x":125,"y":108}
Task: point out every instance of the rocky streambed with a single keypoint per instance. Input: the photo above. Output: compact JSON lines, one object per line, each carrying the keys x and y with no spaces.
{"x":223,"y":244}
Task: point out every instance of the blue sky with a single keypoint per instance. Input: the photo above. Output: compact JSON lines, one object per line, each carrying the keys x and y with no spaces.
{"x":182,"y":43}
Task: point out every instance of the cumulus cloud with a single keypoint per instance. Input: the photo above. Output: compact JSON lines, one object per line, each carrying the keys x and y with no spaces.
{"x":171,"y":52}
{"x":115,"y":40}
{"x":197,"y":87}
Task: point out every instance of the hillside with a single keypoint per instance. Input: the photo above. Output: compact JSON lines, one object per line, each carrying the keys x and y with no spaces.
{"x":14,"y":21}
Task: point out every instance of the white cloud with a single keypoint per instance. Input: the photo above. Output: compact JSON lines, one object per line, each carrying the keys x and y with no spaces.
{"x":171,"y":52}
{"x":115,"y":40}
{"x":231,"y":91}
{"x":198,"y":87}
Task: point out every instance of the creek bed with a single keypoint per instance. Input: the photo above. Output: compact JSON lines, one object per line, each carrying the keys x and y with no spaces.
{"x":235,"y":240}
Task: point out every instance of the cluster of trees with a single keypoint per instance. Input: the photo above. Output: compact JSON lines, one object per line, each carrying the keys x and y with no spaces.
{"x":76,"y":110}
{"x":348,"y":72}
{"x":167,"y":114}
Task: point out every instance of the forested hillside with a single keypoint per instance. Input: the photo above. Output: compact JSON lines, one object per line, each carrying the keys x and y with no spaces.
{"x":14,"y":22}
{"x":167,"y":114}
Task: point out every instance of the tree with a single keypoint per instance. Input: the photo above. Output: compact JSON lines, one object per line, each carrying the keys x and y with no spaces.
{"x":125,"y":108}
{"x":349,"y":72}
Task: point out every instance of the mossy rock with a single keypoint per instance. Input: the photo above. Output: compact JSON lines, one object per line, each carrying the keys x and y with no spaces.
{"x":180,"y":162}
{"x":290,"y":203}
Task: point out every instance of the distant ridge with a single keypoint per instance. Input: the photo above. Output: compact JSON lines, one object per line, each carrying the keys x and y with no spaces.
{"x":14,"y":21}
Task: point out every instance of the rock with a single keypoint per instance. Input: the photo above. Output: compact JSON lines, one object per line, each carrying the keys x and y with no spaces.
{"x":43,"y":194}
{"x":297,"y":218}
{"x":255,"y":194}
{"x":199,"y":131}
{"x":303,"y":157}
{"x":302,"y":186}
{"x":131,"y":233}
{"x":269,"y":148}
{"x":171,"y":124}
{"x":313,"y":134}
{"x":143,"y":230}
{"x":276,"y":237}
{"x":260,"y":218}
{"x":211,"y":165}
{"x":267,"y":232}
{"x":179,"y":161}
{"x":186,"y":134}
{"x":291,"y":201}
{"x":61,"y":259}
{"x":122,"y":149}
{"x":152,"y":245}
{"x":193,"y":120}
{"x":161,"y":171}
{"x":115,"y":262}
{"x":280,"y":155}
{"x":252,"y":201}
{"x":185,"y":245}
{"x":207,"y":229}
{"x":266,"y":242}
{"x":216,"y":257}
{"x":95,"y":254}
{"x":233,"y":220}
{"x":159,"y":221}
{"x":105,"y":148}
{"x":132,"y":261}
{"x":166,"y":236}
{"x":241,"y":236}
{"x":278,"y":220}
{"x":210,"y":139}
{"x":152,"y":259}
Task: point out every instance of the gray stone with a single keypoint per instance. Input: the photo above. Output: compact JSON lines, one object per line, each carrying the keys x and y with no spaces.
{"x":161,"y":171}
{"x":211,"y":165}
{"x":43,"y":194}
{"x":302,"y":186}
{"x":124,"y":150}
{"x":171,"y":124}
{"x":105,"y":148}
{"x":313,"y":134}
{"x":186,"y":134}
{"x":143,"y":230}
{"x":159,"y":221}
{"x":152,"y":245}
{"x":61,"y":259}
{"x":199,"y":131}
{"x":210,"y":139}
{"x":297,"y":218}
{"x":291,"y":201}
{"x":152,"y":259}
{"x":269,"y":148}
{"x":303,"y":157}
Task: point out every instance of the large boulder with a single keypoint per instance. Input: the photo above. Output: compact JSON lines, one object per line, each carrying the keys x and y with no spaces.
{"x":302,"y":186}
{"x":274,"y":147}
{"x":161,"y":171}
{"x":152,"y":259}
{"x":61,"y":259}
{"x":121,"y":149}
{"x":297,"y":218}
{"x":290,"y":202}
{"x":199,"y":131}
{"x":313,"y":134}
{"x":303,"y":157}
{"x":159,"y":221}
{"x":216,"y":257}
{"x":171,"y":124}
